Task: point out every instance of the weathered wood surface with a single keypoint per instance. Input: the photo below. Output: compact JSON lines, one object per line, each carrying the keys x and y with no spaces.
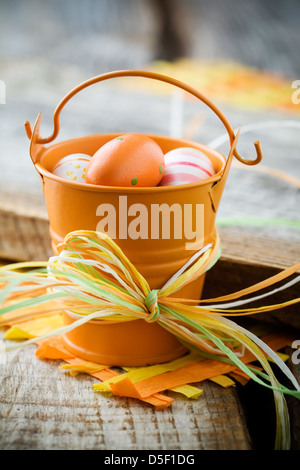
{"x":41,"y":406}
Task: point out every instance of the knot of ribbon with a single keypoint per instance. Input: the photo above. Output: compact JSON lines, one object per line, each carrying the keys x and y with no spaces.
{"x":152,"y":306}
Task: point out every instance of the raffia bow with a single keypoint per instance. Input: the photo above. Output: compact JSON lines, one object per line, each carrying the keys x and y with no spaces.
{"x":93,"y":278}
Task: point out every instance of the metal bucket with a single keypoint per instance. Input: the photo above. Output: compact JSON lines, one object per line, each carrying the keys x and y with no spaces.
{"x":74,"y":206}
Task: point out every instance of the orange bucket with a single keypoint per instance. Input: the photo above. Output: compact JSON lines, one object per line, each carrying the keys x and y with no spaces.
{"x":73,"y":206}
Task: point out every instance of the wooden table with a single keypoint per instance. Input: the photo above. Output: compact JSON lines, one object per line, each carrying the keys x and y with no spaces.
{"x":43,"y":407}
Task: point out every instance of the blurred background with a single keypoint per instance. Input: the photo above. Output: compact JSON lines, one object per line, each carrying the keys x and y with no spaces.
{"x":49,"y":46}
{"x":243,"y":54}
{"x":101,"y":35}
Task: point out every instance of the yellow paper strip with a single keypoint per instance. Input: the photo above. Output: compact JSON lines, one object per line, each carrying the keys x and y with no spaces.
{"x":142,"y":373}
{"x":84,"y":367}
{"x":34,"y":328}
{"x":223,"y":380}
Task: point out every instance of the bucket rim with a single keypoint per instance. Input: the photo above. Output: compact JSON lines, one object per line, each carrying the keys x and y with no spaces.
{"x":128,"y":189}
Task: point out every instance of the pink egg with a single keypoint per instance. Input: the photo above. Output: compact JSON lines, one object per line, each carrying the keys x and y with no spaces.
{"x":72,"y":167}
{"x":186,"y":165}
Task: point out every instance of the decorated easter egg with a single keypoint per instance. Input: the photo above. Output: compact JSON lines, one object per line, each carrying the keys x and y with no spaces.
{"x":186,"y":165}
{"x":127,"y":160}
{"x":72,"y":167}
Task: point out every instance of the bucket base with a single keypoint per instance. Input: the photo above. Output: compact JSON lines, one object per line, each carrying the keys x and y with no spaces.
{"x":133,"y":343}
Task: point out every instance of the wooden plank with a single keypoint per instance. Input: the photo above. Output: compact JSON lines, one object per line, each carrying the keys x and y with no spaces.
{"x":43,"y":408}
{"x":240,"y":275}
{"x":24,"y":237}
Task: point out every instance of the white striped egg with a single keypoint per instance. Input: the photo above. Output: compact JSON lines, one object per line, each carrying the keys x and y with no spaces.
{"x":72,"y":167}
{"x":186,"y":165}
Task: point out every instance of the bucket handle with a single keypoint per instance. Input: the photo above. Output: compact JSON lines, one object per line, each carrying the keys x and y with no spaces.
{"x":154,"y":76}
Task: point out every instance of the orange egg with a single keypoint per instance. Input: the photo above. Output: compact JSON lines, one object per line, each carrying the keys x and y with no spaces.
{"x":127,"y":160}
